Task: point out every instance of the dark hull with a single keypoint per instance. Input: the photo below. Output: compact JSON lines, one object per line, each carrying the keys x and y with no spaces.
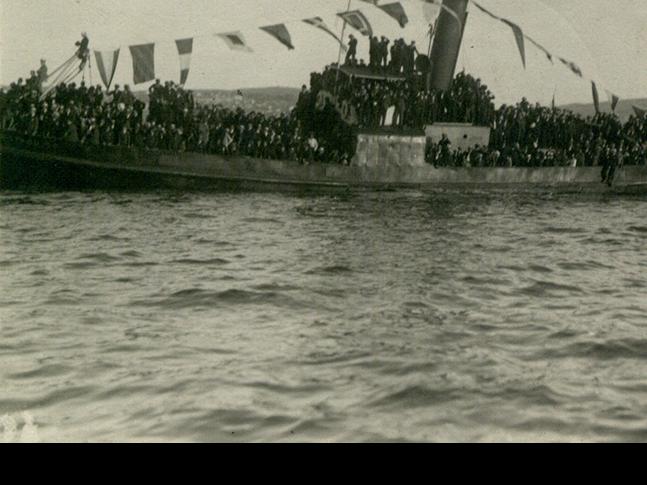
{"x":43,"y":164}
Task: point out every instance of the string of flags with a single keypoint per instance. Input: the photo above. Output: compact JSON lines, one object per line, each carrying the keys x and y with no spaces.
{"x":521,"y":37}
{"x":357,"y":20}
{"x":143,"y":56}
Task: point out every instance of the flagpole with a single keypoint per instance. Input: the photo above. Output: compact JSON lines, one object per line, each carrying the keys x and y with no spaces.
{"x":341,"y":46}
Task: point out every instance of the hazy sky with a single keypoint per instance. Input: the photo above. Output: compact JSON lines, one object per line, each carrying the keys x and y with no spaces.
{"x":607,"y":38}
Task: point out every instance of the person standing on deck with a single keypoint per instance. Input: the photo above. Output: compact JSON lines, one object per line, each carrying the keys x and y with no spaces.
{"x":42,"y":72}
{"x":383,"y":53}
{"x":351,"y":55}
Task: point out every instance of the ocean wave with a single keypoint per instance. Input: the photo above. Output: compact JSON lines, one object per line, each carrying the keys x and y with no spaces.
{"x":330,"y":270}
{"x":201,"y":262}
{"x":626,"y":348}
{"x":196,"y":298}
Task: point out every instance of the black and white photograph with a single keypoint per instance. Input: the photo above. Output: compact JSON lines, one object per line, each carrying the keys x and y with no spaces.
{"x":323,"y":221}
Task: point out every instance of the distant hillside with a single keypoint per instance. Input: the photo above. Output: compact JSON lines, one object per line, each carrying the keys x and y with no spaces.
{"x":624,"y":109}
{"x":266,"y":100}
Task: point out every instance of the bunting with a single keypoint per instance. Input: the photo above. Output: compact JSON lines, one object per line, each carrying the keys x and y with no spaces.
{"x":280,"y":33}
{"x":358,"y":21}
{"x":549,"y":56}
{"x":320,"y":24}
{"x":518,"y":33}
{"x":572,"y":66}
{"x":518,"y":36}
{"x":184,"y":49}
{"x":613,"y":99}
{"x":639,"y":111}
{"x":143,"y":62}
{"x":396,"y":10}
{"x":235,"y":41}
{"x":596,"y":97}
{"x":107,"y":65}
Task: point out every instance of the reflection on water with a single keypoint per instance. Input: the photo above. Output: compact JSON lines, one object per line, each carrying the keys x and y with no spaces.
{"x":439,"y":316}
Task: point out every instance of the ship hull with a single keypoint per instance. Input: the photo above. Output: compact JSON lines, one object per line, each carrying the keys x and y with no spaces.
{"x":37,"y":163}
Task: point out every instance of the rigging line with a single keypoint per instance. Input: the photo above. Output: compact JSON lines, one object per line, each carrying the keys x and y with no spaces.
{"x":71,"y":59}
{"x":293,"y":21}
{"x":63,"y":74}
{"x":575,"y":32}
{"x":536,"y":44}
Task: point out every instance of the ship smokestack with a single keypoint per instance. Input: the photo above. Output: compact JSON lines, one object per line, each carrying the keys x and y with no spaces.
{"x":447,"y":43}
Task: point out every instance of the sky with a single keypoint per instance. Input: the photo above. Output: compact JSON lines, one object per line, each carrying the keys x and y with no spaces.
{"x":606,"y":38}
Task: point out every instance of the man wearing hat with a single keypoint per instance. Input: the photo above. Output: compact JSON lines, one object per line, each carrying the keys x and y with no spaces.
{"x":352,"y":50}
{"x":384,"y":52}
{"x":410,"y":57}
{"x":84,"y":52}
{"x":42,"y":72}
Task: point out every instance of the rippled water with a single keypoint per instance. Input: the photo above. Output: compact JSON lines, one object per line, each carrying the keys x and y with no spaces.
{"x":434,"y":316}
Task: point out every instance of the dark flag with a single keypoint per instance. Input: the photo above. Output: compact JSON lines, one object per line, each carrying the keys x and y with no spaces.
{"x":518,"y":36}
{"x":572,"y":66}
{"x":396,"y":10}
{"x":358,"y":21}
{"x":107,"y":65}
{"x":614,"y":100}
{"x":184,"y":49}
{"x":596,"y":97}
{"x":143,"y":62}
{"x":235,"y":41}
{"x":639,"y":111}
{"x":320,"y":24}
{"x":280,"y":33}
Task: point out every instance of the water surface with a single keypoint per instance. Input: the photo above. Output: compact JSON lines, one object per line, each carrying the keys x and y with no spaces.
{"x":422,"y":316}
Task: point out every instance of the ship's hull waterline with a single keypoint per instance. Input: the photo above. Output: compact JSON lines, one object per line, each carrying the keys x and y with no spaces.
{"x":32,"y":162}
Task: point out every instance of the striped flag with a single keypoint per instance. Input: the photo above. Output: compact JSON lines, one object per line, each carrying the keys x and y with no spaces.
{"x":320,"y":24}
{"x":280,"y":33}
{"x":143,"y":62}
{"x":358,"y":21}
{"x":235,"y":41}
{"x":107,"y":65}
{"x":184,"y":49}
{"x":396,"y":10}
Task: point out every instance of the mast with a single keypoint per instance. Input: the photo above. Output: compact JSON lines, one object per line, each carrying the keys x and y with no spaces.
{"x":447,"y":43}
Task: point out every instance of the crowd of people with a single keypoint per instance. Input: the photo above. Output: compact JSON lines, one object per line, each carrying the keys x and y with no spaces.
{"x":399,"y":58}
{"x":442,"y":154}
{"x":90,"y":115}
{"x":322,"y":128}
{"x":373,"y":103}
